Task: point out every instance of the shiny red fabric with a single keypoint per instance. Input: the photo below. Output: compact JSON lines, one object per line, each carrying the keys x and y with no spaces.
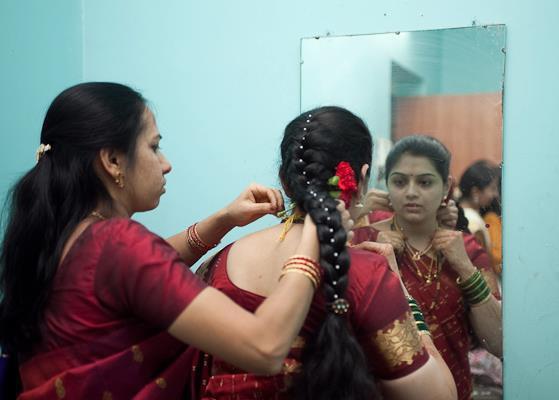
{"x":444,"y":308}
{"x":376,"y":302}
{"x":114,"y":296}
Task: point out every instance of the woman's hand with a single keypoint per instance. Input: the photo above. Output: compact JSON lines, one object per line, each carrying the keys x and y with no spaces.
{"x":386,"y":250}
{"x":451,"y":245}
{"x":253,"y":203}
{"x":447,"y":215}
{"x":374,"y":200}
{"x":393,"y":238}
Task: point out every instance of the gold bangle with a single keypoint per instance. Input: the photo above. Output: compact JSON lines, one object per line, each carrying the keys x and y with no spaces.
{"x":308,"y":275}
{"x":309,"y":270}
{"x":305,"y":258}
{"x":301,"y":262}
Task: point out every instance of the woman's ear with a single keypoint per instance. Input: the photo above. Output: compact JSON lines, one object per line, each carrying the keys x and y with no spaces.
{"x":364,"y":171}
{"x":363,"y":178}
{"x":111,"y":162}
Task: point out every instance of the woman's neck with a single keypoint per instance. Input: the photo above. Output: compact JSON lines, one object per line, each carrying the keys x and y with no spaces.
{"x":468,"y":203}
{"x":417,"y":232}
{"x":114,"y":210}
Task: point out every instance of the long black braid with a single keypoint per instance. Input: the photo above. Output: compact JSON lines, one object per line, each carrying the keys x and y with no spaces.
{"x":334,"y":366}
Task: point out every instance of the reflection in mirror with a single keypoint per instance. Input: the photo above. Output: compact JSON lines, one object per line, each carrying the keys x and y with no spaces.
{"x":447,"y":84}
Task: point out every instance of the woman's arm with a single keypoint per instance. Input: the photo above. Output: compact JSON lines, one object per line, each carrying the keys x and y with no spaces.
{"x":255,"y":342}
{"x":253,"y":203}
{"x":432,"y":381}
{"x":486,"y":317}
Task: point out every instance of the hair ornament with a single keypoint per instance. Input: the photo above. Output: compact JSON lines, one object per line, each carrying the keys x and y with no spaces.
{"x":43,"y":148}
{"x":339,"y":306}
{"x":343,"y":183}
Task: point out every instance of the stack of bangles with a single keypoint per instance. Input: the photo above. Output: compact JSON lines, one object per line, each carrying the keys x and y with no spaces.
{"x":305,"y":266}
{"x":418,"y":317}
{"x":195,"y":242}
{"x":475,"y":289}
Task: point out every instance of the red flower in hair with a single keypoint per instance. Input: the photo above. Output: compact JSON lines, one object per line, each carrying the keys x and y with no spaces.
{"x":346,"y":181}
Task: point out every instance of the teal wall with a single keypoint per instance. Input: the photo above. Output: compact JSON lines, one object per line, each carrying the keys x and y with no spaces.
{"x":40,"y":54}
{"x":224,"y":80}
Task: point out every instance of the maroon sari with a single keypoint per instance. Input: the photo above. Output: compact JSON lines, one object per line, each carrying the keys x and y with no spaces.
{"x":114,"y":296}
{"x":379,"y":317}
{"x":443,"y":306}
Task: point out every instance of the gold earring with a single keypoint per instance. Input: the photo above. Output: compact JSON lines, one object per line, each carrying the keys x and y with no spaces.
{"x":119,"y":180}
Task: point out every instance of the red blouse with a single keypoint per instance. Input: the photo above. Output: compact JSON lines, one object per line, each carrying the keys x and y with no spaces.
{"x":379,"y":317}
{"x":114,"y":296}
{"x":443,"y":306}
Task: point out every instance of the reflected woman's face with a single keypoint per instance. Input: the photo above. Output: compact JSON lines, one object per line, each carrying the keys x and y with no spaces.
{"x":416,"y":189}
{"x":488,"y":194}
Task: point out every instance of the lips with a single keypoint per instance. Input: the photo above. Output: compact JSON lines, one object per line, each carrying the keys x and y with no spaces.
{"x":412,"y":206}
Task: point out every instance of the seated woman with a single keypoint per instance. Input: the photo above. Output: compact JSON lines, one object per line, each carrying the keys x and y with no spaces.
{"x":448,"y":273}
{"x":360,"y":330}
{"x":95,"y":306}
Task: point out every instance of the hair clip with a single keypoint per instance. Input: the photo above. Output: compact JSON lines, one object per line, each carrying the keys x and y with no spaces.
{"x":43,"y":148}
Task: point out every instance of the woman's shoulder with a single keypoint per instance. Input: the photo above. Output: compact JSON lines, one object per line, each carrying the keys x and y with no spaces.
{"x":368,"y":270}
{"x":121,"y":229}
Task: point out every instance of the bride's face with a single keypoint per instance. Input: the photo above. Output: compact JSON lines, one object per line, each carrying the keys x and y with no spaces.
{"x":416,"y":189}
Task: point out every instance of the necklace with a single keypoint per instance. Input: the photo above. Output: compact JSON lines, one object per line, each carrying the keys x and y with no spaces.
{"x":98,"y":215}
{"x":434,"y":267}
{"x":288,"y":222}
{"x":433,"y":270}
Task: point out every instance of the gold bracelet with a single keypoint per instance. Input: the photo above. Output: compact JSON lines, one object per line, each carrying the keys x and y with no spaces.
{"x":301,"y":257}
{"x":312,"y":271}
{"x":308,"y":275}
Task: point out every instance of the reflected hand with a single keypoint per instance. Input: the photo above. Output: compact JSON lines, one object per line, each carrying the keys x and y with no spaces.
{"x":254,"y":202}
{"x":393,"y":238}
{"x":375,"y":200}
{"x":386,"y":250}
{"x":447,"y":215}
{"x":451,"y":245}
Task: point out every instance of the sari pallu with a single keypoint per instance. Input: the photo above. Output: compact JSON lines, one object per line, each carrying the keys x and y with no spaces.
{"x":114,"y":296}
{"x":379,"y":318}
{"x":443,"y":306}
{"x":156,"y":367}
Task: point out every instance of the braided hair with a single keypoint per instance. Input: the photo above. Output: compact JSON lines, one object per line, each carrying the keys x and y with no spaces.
{"x":334,"y":365}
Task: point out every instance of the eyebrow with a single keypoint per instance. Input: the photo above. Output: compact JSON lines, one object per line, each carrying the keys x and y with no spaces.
{"x":419,"y":175}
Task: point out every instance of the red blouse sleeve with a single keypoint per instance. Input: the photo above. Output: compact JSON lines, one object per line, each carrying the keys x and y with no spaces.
{"x":139,"y":273}
{"x":482,"y":261}
{"x":383,"y":322}
{"x":364,"y":234}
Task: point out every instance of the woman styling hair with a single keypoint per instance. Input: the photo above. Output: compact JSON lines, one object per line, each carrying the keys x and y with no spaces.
{"x":96,"y":306}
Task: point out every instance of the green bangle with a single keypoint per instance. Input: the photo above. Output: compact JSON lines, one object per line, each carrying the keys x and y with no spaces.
{"x":422,"y":327}
{"x":470,"y":281}
{"x":480,"y":297}
{"x":476,"y":287}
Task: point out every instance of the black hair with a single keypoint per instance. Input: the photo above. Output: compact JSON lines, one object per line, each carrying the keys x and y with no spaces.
{"x":423,"y":146}
{"x":62,"y":189}
{"x":478,"y":175}
{"x":334,"y":365}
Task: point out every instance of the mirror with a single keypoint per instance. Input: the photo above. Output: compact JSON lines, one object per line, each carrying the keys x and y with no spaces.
{"x":445,"y":83}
